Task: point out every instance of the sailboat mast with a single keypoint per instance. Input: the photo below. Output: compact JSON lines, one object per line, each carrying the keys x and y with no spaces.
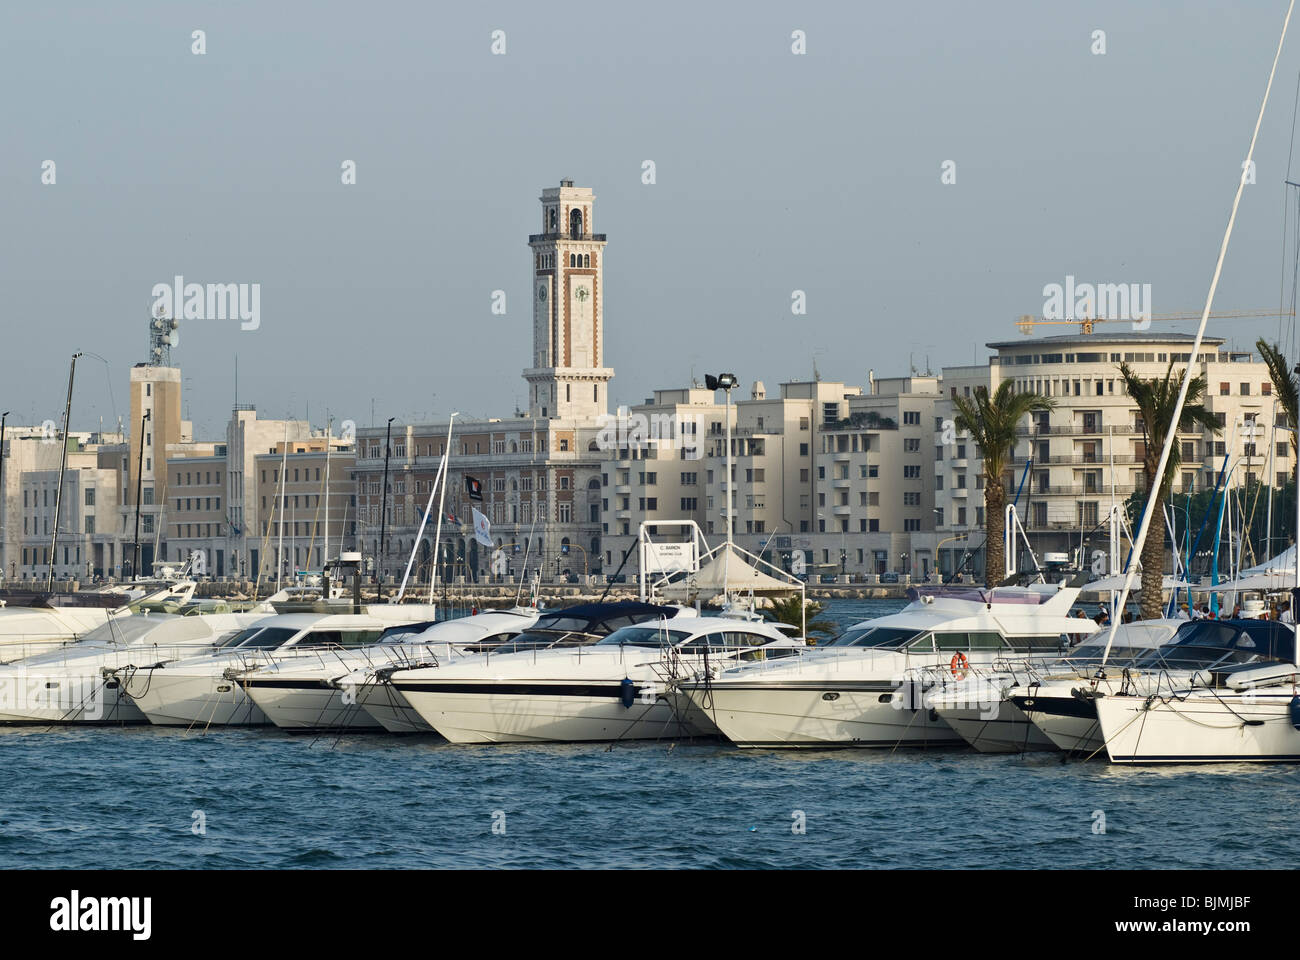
{"x":329,"y":442}
{"x":279,"y":546}
{"x":63,"y":466}
{"x":442,"y":501}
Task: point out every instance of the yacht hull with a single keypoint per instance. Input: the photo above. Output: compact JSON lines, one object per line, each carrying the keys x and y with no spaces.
{"x":1201,"y":728}
{"x":171,"y":699}
{"x":818,"y":715}
{"x":1069,"y":722}
{"x":65,"y":698}
{"x":307,"y":705}
{"x":591,"y":711}
{"x":390,"y":709}
{"x":1010,"y":731}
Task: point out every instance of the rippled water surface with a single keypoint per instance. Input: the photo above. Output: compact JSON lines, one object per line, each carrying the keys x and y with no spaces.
{"x":128,"y":797}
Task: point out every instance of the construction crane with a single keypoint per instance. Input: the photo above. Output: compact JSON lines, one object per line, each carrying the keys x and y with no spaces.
{"x":1027,"y":323}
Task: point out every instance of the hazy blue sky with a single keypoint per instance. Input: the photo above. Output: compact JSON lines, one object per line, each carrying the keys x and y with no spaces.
{"x":775,"y":172}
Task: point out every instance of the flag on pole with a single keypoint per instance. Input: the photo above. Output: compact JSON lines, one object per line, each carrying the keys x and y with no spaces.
{"x":473,"y":488}
{"x":482,"y":529}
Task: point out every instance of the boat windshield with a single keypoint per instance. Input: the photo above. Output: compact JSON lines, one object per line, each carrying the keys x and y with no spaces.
{"x":875,"y":637}
{"x":1095,"y":651}
{"x":1207,"y":643}
{"x":236,"y":638}
{"x":266,"y":638}
{"x":562,"y":625}
{"x":404,"y":632}
{"x":645,"y":637}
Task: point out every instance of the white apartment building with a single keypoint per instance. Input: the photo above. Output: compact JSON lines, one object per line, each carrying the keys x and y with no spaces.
{"x":1071,"y":461}
{"x":87,"y":543}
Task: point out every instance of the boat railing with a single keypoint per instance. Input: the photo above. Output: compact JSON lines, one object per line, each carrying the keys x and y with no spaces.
{"x":112,"y":655}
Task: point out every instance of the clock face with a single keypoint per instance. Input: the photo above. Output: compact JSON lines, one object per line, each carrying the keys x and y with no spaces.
{"x":541,"y":293}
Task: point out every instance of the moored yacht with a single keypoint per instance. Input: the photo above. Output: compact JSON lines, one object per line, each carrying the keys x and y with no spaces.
{"x":204,"y":690}
{"x":983,"y":707}
{"x":1064,"y":707}
{"x":81,"y":683}
{"x":567,"y":627}
{"x":1224,"y":692}
{"x":854,"y":692}
{"x":330,"y":688}
{"x":32,"y":622}
{"x":614,"y":689}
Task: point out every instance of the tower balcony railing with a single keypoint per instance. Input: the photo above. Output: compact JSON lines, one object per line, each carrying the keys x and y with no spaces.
{"x":563,"y":235}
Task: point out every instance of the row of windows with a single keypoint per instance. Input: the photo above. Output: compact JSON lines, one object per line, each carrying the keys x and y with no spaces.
{"x":45,"y":499}
{"x":207,"y":478}
{"x":192,"y":503}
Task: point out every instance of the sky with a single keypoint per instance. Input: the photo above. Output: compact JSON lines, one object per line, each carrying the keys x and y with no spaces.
{"x":775,"y":172}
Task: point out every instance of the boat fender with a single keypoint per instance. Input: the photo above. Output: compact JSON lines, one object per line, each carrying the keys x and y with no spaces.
{"x":1294,"y":709}
{"x":627,"y":692}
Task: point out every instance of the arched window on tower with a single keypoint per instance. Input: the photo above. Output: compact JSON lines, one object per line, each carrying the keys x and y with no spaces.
{"x":554,"y":220}
{"x":575,"y":223}
{"x":586,"y":259}
{"x":573,"y":260}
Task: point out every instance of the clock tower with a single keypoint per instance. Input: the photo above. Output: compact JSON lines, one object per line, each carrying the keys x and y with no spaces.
{"x":568,"y":378}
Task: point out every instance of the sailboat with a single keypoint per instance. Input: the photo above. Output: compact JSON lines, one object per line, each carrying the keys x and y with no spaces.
{"x":1245,"y":705}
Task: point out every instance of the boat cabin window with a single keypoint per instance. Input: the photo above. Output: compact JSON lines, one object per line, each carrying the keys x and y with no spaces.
{"x":268,"y":638}
{"x":728,"y":639}
{"x":405,"y":632}
{"x":339,"y":638}
{"x":874,"y":637}
{"x":1035,"y":643}
{"x":648,"y":636}
{"x":238,"y":637}
{"x":979,"y":640}
{"x":562,"y":625}
{"x":1118,"y":654}
{"x":1205,"y":643}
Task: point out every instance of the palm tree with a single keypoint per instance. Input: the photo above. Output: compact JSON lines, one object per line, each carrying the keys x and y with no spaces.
{"x":1286,"y":388}
{"x":991,"y":423}
{"x":1155,"y":400}
{"x":792,"y":611}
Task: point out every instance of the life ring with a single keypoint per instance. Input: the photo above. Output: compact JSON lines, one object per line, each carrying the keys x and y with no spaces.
{"x":959,"y":666}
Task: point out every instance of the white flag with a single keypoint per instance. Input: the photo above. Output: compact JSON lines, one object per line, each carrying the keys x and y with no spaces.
{"x":482,"y":529}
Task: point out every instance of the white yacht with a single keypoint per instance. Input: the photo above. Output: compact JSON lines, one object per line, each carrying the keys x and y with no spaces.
{"x":32,"y":623}
{"x":1223,"y":690}
{"x":854,"y":691}
{"x":332,"y":688}
{"x":81,"y":683}
{"x":203,"y":690}
{"x":614,"y":689}
{"x":567,"y":627}
{"x":983,"y":708}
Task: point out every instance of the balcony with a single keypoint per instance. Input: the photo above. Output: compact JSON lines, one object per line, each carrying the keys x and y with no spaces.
{"x":1080,"y":430}
{"x":1086,"y":459}
{"x":557,"y":235}
{"x":1083,"y":490}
